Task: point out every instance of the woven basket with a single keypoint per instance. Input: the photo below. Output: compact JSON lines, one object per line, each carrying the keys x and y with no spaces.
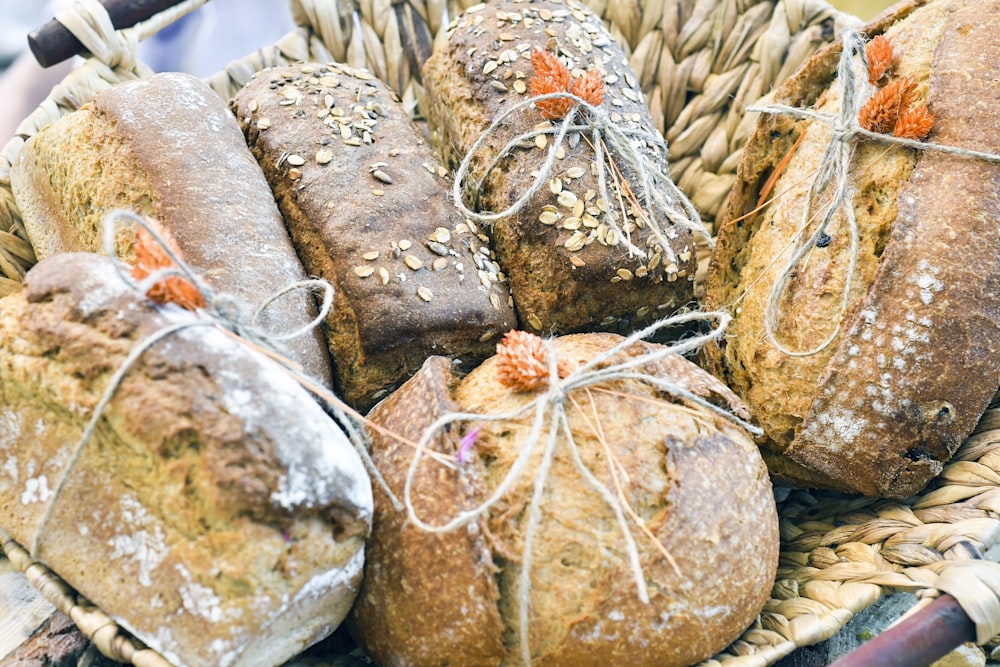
{"x":700,"y":63}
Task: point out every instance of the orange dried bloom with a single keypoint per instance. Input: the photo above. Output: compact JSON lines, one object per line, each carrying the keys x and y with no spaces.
{"x":879,"y":54}
{"x":882,"y":110}
{"x":150,"y":257}
{"x":914,"y":123}
{"x":550,"y":76}
{"x":590,"y":87}
{"x":521,"y":361}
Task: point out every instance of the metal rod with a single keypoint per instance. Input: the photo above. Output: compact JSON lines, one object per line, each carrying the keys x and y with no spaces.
{"x":918,"y":640}
{"x":52,"y":43}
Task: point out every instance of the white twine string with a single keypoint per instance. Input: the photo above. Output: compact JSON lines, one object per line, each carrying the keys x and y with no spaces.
{"x":834,"y":170}
{"x":224,"y":312}
{"x":657,"y":191}
{"x":549,"y":416}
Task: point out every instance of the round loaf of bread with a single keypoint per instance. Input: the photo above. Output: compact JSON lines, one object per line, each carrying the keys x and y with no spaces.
{"x":694,"y":479}
{"x":913,"y":354}
{"x":216,"y":512}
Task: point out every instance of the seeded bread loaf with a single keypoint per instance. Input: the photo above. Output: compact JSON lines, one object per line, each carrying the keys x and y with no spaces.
{"x":916,"y":353}
{"x":367,"y":209}
{"x":568,"y":271}
{"x":167,"y":147}
{"x":216,"y":512}
{"x":696,"y":479}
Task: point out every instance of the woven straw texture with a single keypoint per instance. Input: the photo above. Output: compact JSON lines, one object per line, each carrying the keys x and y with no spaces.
{"x":700,"y":63}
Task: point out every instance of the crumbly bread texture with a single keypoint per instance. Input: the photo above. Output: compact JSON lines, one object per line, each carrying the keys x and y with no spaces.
{"x":917,"y":355}
{"x":217,"y":512}
{"x":697,"y":481}
{"x":368,"y":210}
{"x":166,"y":146}
{"x":567,"y":270}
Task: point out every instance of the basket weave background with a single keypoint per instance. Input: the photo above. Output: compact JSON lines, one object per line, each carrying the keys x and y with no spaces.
{"x":700,"y":62}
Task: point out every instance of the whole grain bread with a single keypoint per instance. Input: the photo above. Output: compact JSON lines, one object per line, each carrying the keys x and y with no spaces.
{"x":696,"y":479}
{"x":368,"y":210}
{"x":166,"y":146}
{"x":217,"y":512}
{"x":915,"y":359}
{"x":568,"y":271}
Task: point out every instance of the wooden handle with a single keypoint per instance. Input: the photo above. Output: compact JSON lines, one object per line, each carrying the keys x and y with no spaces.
{"x":53,"y":43}
{"x":916,"y":641}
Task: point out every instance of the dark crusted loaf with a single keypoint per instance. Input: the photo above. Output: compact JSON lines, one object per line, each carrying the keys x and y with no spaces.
{"x":368,"y":210}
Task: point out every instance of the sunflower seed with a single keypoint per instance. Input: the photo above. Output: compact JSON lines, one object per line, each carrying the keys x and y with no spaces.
{"x":413,"y":262}
{"x":363,"y":271}
{"x":371,"y":255}
{"x":534,"y":321}
{"x":425,"y":293}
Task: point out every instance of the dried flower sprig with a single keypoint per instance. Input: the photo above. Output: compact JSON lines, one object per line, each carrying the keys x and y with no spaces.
{"x":552,"y":76}
{"x":151,"y":257}
{"x":879,"y":53}
{"x":914,"y":123}
{"x":522,"y":362}
{"x":880,"y":112}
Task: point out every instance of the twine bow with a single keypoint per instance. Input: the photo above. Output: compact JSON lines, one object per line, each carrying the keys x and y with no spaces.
{"x":549,"y":421}
{"x":657,"y":191}
{"x":834,"y":172}
{"x":227,"y":314}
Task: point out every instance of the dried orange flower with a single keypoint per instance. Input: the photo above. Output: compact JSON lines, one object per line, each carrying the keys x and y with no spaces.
{"x":521,"y":361}
{"x":590,"y":87}
{"x":150,"y":257}
{"x":550,"y":76}
{"x":879,"y":54}
{"x":914,"y":123}
{"x":881,"y":111}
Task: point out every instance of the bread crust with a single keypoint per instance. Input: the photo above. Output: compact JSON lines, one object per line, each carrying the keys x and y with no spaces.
{"x":214,"y":494}
{"x":375,"y":220}
{"x":720,"y":529}
{"x":167,"y":147}
{"x":482,"y":70}
{"x":914,"y":364}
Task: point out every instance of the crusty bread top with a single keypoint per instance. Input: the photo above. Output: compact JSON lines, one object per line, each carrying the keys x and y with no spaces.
{"x":168,"y":147}
{"x":214,"y":492}
{"x":884,"y":406}
{"x":696,"y":480}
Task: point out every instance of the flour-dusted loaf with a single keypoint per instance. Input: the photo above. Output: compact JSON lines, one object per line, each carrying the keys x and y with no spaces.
{"x":217,"y":512}
{"x":916,"y":358}
{"x":568,"y":271}
{"x":368,"y":210}
{"x":696,"y":479}
{"x":167,"y":146}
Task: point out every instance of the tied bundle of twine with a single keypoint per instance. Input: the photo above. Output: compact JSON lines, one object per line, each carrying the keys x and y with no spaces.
{"x":834,"y":175}
{"x":550,"y":429}
{"x":658,"y":194}
{"x":226,"y":313}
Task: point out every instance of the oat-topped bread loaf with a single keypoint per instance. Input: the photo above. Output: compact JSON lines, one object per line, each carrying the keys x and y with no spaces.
{"x":368,"y":210}
{"x":871,"y":392}
{"x":568,"y":269}
{"x":695,"y":478}
{"x":216,"y":512}
{"x":167,"y":146}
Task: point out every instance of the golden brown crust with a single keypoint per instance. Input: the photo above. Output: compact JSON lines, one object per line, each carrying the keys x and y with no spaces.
{"x":410,"y":279}
{"x":912,"y":368}
{"x":564,"y":276}
{"x":721,"y":529}
{"x":214,"y":492}
{"x":166,"y":146}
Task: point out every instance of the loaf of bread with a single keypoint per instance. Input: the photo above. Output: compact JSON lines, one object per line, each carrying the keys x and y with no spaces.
{"x":216,"y":512}
{"x":915,"y":354}
{"x":368,"y":211}
{"x":166,"y":146}
{"x":696,"y":479}
{"x":567,"y":268}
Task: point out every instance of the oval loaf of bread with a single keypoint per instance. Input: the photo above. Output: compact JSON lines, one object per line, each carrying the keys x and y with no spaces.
{"x":369,"y":211}
{"x":216,"y":512}
{"x":166,"y":146}
{"x":568,"y":270}
{"x":696,"y":479}
{"x":915,"y":354}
